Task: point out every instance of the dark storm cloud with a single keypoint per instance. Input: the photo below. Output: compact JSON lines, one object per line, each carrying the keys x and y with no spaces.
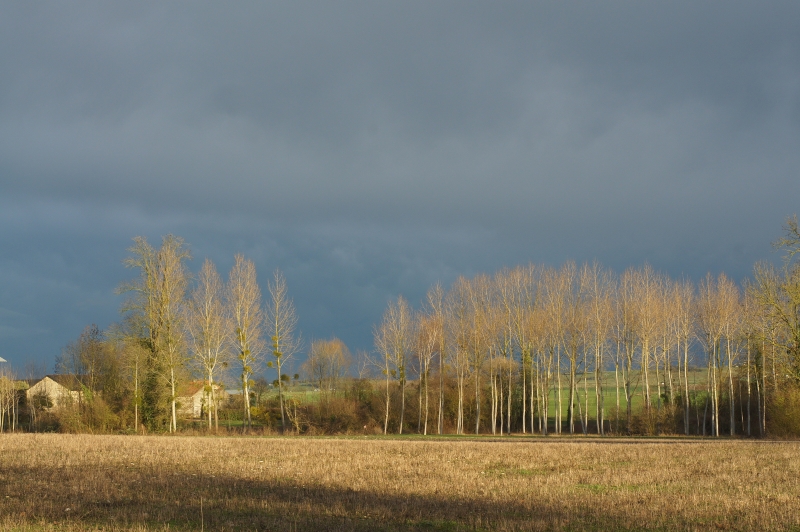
{"x":371,"y":149}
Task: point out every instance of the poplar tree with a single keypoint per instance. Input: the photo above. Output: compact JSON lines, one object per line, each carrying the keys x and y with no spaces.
{"x":282,"y":323}
{"x":209,"y":331}
{"x":244,"y":308}
{"x":393,"y":341}
{"x":157,"y":306}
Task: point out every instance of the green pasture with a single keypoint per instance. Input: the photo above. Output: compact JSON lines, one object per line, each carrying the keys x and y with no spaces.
{"x":305,"y":393}
{"x":697,"y":382}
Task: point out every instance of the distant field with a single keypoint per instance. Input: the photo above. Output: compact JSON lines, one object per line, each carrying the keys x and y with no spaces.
{"x":697,"y":381}
{"x":64,"y":482}
{"x":306,"y":393}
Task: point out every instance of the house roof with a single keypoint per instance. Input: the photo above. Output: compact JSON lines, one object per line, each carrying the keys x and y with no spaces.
{"x":191,"y":388}
{"x":71,"y":382}
{"x":3,"y":359}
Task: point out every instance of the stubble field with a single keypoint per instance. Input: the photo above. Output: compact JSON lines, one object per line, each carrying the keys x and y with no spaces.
{"x":63,"y":482}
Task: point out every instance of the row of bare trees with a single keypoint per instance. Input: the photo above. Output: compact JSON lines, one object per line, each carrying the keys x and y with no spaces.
{"x":535,"y":337}
{"x":175,"y":326}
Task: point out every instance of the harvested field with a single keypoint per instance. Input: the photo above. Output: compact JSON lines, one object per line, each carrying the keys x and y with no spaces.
{"x":82,"y":482}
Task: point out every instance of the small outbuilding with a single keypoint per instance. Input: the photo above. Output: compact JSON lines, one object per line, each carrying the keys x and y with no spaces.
{"x":54,"y":390}
{"x":193,"y":398}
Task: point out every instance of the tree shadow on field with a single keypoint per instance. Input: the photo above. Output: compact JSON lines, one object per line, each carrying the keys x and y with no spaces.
{"x":88,"y":498}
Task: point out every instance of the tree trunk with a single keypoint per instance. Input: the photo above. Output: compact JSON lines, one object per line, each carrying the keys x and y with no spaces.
{"x":571,"y":403}
{"x":441,"y":391}
{"x":493,"y":398}
{"x":280,"y":395}
{"x":388,"y":397}
{"x":402,"y":403}
{"x":616,"y":388}
{"x":686,"y":384}
{"x":136,"y":399}
{"x":246,"y":401}
{"x":174,"y":422}
{"x":209,"y":399}
{"x":477,"y":400}
{"x":628,"y":394}
{"x":460,"y":417}
{"x":749,"y":408}
{"x":508,"y":397}
{"x":714,"y":367}
{"x":730,"y":385}
{"x":425,"y":431}
{"x":558,"y":393}
{"x":419,"y":406}
{"x":645,"y":364}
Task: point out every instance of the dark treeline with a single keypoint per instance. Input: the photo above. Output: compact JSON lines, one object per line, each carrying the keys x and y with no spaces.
{"x":533,"y":349}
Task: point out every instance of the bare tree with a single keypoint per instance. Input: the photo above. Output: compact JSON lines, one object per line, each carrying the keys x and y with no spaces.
{"x":85,"y":358}
{"x":730,"y":319}
{"x":282,"y":319}
{"x":712,"y":327}
{"x":141,"y":324}
{"x":506,"y":312}
{"x":648,"y":289}
{"x":435,"y":316}
{"x":750,"y":326}
{"x":684,"y":308}
{"x":459,"y":331}
{"x":328,"y":362}
{"x":779,"y":293}
{"x":157,"y":305}
{"x":554,"y":312}
{"x":626,"y":325}
{"x":428,"y":340}
{"x":481,"y":332}
{"x":136,"y":356}
{"x":568,"y":310}
{"x":596,"y":283}
{"x":9,"y":399}
{"x":393,"y":340}
{"x":133,"y":353}
{"x":174,"y":282}
{"x":244,"y":308}
{"x":524,"y":303}
{"x":209,"y":332}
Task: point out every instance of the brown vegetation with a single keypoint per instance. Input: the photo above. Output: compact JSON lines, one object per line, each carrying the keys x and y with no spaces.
{"x":65,"y":482}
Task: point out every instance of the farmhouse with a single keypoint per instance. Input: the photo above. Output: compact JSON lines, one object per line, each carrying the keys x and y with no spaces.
{"x":54,"y":390}
{"x":193,"y":398}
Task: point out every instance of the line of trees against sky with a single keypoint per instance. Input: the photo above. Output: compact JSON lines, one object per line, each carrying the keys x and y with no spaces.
{"x":176,"y":328}
{"x":710,"y":358}
{"x":536,"y":347}
{"x":532,"y":349}
{"x":210,"y":327}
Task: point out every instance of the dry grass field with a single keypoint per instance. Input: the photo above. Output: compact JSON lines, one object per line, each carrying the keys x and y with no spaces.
{"x":64,"y":482}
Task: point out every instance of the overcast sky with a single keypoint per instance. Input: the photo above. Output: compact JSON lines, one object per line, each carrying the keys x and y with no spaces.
{"x":370,"y":149}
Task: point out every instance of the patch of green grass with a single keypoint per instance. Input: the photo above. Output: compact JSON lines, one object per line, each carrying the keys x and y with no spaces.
{"x":500,"y":469}
{"x":594,"y":488}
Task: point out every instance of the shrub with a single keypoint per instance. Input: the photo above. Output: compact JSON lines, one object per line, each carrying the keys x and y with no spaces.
{"x":783,"y":413}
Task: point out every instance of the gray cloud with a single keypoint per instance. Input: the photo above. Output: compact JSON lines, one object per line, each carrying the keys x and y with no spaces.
{"x":370,"y":150}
